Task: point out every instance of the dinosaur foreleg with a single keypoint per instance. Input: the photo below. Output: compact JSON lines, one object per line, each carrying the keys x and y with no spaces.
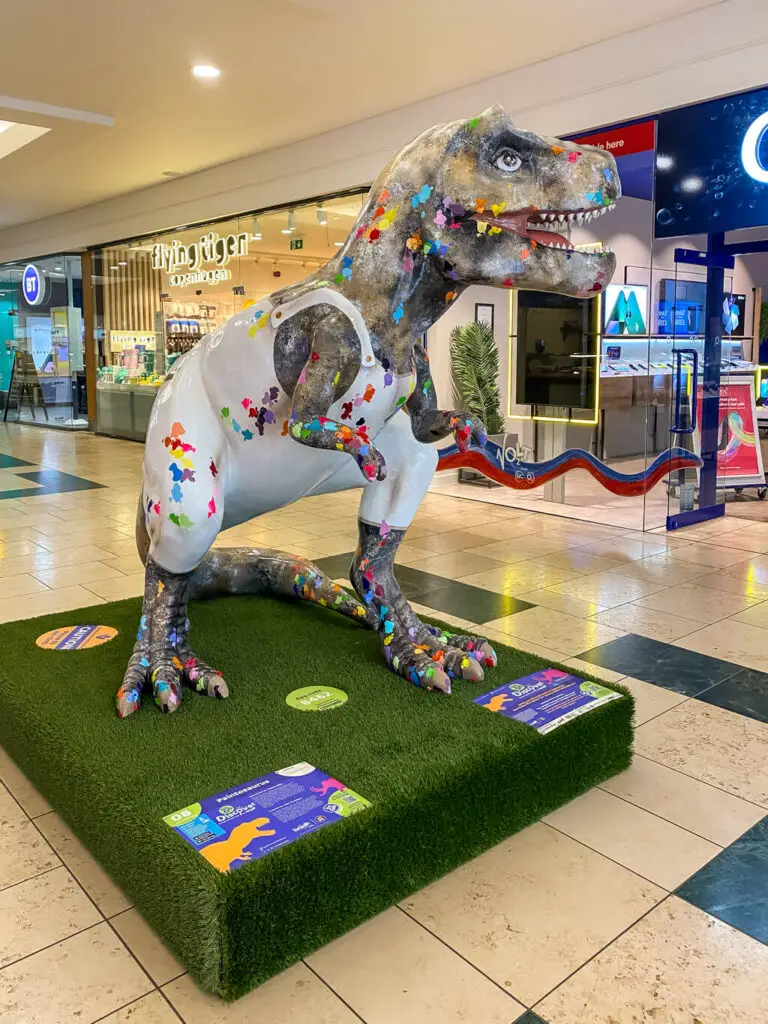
{"x":423,"y":654}
{"x":318,"y":386}
{"x":431,"y":424}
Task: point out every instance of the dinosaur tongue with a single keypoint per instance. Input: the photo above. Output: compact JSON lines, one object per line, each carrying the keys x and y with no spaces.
{"x":547,"y":238}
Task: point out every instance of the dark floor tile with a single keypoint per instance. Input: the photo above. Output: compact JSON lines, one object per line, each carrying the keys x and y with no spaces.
{"x":663,"y":664}
{"x":734,"y":886}
{"x":18,"y":492}
{"x":746,"y":693}
{"x":529,"y":1017}
{"x":335,"y":566}
{"x":10,"y":462}
{"x":469,"y":602}
{"x":55,"y":482}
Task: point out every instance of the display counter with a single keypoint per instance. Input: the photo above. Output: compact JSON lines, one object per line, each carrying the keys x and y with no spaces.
{"x":123,"y":409}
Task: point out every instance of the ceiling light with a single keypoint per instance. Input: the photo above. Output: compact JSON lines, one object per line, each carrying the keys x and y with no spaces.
{"x":256,"y":230}
{"x":123,"y":263}
{"x":339,"y":244}
{"x":291,"y":225}
{"x":322,"y":216}
{"x":57,"y":268}
{"x":205,"y":71}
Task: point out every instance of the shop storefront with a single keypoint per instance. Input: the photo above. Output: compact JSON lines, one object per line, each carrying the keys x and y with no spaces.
{"x":42,"y":332}
{"x":156,"y":297}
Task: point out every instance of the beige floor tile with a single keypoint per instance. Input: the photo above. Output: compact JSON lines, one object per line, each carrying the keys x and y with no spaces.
{"x":129,"y":565}
{"x":562,"y":632}
{"x":49,"y":559}
{"x":391,"y":969}
{"x":730,"y":640}
{"x":105,"y":894}
{"x":650,"y":700}
{"x":635,"y":838}
{"x":700,"y":604}
{"x":560,"y":603}
{"x":80,"y":979}
{"x":522,"y":548}
{"x":533,"y":909}
{"x":16,"y":548}
{"x":104,"y":538}
{"x":626,"y":549}
{"x":706,"y":554}
{"x":118,"y":588}
{"x":734,"y":585}
{"x":32,"y":802}
{"x":23,"y":852}
{"x":13,"y":609}
{"x":519,"y":577}
{"x":662,"y":569}
{"x":518,"y":644}
{"x":749,"y":539}
{"x":499,"y":529}
{"x":454,"y":564}
{"x":22,"y":586}
{"x":151,"y":1009}
{"x":580,"y":560}
{"x":711,"y":744}
{"x":73,"y":575}
{"x":10,"y":810}
{"x":606,"y":589}
{"x":148,"y":948}
{"x":296,"y":995}
{"x":709,"y":812}
{"x":458,"y":540}
{"x":757,"y":615}
{"x":676,"y":966}
{"x":634,"y":618}
{"x":41,"y":911}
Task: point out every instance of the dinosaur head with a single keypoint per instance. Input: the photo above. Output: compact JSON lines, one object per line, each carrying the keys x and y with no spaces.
{"x":487,"y":203}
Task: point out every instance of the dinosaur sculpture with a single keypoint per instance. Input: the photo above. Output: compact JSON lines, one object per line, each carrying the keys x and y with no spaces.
{"x":323,"y":386}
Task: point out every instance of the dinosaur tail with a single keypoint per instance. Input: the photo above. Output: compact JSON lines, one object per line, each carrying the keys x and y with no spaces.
{"x":262,"y":571}
{"x":494,"y":462}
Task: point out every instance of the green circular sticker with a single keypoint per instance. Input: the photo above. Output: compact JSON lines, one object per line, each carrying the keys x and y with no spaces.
{"x":316,"y":698}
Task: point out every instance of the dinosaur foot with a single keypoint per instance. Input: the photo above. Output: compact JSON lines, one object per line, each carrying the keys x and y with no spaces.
{"x":166,"y":669}
{"x":431,"y":658}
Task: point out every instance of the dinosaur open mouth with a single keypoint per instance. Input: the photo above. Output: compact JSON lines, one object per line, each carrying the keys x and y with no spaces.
{"x":543,"y":226}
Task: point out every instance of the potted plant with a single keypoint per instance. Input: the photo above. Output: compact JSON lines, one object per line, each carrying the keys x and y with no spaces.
{"x":475,"y":378}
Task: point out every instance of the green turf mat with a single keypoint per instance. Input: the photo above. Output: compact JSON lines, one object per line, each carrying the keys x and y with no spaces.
{"x":446,"y":778}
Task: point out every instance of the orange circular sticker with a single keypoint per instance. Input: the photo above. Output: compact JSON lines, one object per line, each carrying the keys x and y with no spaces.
{"x":75,"y":638}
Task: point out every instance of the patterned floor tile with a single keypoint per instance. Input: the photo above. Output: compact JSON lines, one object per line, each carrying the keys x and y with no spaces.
{"x":746,"y":693}
{"x":732,"y":887}
{"x":667,"y":665}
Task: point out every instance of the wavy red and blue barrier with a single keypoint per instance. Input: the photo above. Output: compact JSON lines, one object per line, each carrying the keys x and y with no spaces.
{"x":504,"y":467}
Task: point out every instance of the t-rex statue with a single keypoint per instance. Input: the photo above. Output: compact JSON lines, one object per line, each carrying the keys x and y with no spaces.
{"x":324,"y":386}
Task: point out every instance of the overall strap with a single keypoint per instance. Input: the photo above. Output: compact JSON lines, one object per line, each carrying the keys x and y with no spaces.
{"x":329,"y":297}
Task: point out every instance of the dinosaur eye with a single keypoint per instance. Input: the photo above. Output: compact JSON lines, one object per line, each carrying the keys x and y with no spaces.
{"x":507,"y":161}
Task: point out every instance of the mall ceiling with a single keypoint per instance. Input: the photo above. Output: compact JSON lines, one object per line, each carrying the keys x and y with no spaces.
{"x":112,"y":83}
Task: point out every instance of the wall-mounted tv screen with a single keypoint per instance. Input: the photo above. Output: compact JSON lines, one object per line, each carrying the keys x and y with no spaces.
{"x":680,"y":308}
{"x":734,"y":315}
{"x":556,"y":350}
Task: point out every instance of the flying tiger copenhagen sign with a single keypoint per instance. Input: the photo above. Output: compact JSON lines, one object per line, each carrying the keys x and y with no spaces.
{"x":185,"y":262}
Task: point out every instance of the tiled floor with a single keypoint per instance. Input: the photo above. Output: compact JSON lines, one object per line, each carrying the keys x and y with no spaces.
{"x":645,"y":900}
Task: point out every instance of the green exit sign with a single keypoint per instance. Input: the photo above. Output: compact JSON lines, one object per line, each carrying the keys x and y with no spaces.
{"x":297,"y":243}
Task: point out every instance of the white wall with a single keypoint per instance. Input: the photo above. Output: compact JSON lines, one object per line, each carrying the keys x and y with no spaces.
{"x":721,"y":49}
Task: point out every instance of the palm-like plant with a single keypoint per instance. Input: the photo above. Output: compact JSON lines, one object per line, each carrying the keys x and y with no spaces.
{"x":475,"y":374}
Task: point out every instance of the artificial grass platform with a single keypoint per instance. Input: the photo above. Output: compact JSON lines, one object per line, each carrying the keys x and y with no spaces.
{"x":447,"y":779}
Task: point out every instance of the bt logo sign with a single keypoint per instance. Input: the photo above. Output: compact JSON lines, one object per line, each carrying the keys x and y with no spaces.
{"x":751,"y":158}
{"x":32,"y":285}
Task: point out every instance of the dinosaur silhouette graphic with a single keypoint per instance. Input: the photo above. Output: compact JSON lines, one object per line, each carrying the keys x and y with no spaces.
{"x":223,"y":853}
{"x":497,"y":703}
{"x":327,"y":786}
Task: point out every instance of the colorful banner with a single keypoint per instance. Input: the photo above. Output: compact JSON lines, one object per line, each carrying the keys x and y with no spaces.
{"x":739,"y":458}
{"x":247,"y":822}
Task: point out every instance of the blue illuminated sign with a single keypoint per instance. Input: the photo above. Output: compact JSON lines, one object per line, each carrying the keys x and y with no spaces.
{"x":32,"y":285}
{"x":712,"y":166}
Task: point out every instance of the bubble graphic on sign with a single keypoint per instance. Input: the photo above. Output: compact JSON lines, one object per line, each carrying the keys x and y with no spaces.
{"x":75,"y":638}
{"x":316,"y":698}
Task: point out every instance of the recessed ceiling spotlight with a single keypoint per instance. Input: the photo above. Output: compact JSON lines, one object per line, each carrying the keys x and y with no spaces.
{"x":339,"y":244}
{"x":205,"y":71}
{"x":122,"y":263}
{"x":57,"y":268}
{"x":291,"y":225}
{"x":114,"y":268}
